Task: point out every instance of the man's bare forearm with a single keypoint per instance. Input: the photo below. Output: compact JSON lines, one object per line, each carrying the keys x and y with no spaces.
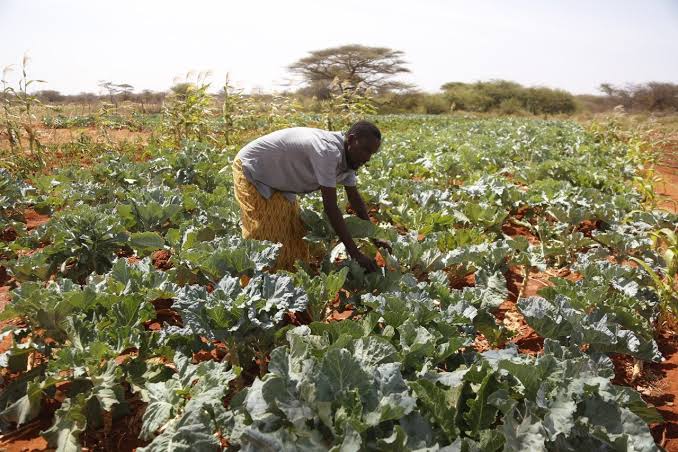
{"x":337,"y":221}
{"x":357,"y":203}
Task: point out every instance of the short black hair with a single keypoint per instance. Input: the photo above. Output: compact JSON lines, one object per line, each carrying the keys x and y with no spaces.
{"x":364,"y":128}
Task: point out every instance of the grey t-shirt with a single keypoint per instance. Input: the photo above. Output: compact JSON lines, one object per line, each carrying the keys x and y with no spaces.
{"x":296,"y":160}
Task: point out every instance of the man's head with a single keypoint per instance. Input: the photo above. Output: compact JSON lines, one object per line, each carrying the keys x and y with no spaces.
{"x":361,"y":142}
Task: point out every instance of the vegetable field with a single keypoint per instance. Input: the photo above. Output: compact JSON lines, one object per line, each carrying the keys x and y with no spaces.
{"x":520,"y":308}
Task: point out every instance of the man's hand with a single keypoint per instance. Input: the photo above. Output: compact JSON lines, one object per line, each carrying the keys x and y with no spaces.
{"x":329,"y":195}
{"x":368,"y":264}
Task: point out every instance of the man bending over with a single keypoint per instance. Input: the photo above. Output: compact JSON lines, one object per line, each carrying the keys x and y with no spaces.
{"x":270,"y":171}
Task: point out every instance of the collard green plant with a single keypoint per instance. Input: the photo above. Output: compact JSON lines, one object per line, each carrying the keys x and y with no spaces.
{"x":84,"y":240}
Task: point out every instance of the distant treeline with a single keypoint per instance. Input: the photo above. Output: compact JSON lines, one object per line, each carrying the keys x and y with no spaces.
{"x":498,"y":96}
{"x":506,"y":97}
{"x":147,"y":99}
{"x":647,"y":97}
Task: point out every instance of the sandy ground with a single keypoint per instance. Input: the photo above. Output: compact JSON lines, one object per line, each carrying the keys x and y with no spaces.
{"x":668,"y":188}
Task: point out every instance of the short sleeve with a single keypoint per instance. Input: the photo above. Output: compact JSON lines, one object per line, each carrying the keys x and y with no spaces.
{"x":348,"y":179}
{"x":325,"y":167}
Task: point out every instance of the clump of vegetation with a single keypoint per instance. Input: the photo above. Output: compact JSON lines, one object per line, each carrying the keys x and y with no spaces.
{"x":346,"y":104}
{"x":19,"y":120}
{"x":507,"y":97}
{"x":187,"y":113}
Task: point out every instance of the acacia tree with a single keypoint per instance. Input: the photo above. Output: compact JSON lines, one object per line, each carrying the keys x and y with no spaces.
{"x":115,"y":90}
{"x":373,"y":67}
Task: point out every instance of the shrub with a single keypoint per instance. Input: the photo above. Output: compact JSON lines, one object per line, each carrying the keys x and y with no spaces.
{"x":435,"y":104}
{"x":511,"y":106}
{"x":506,"y":96}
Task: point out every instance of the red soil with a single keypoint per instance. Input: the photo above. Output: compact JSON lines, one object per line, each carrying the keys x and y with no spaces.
{"x":527,"y":340}
{"x":27,"y":438}
{"x":163,"y":314}
{"x":5,"y":278}
{"x":336,"y":316}
{"x":666,"y":398}
{"x":218,"y":353}
{"x":667,"y":402}
{"x":8,"y":234}
{"x":658,"y":383}
{"x":587,"y":227}
{"x":668,"y":189}
{"x":459,"y":282}
{"x":34,"y":219}
{"x":512,"y":229}
{"x":4,"y":297}
{"x":122,"y":434}
{"x":161,"y":259}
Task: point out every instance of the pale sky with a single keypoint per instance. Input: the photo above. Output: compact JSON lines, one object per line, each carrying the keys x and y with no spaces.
{"x":570,"y":44}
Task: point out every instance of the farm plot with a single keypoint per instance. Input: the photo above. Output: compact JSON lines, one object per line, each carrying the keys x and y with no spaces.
{"x":526,"y":274}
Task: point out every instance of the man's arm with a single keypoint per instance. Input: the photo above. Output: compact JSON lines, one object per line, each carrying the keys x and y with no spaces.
{"x":356,"y":202}
{"x":333,"y":212}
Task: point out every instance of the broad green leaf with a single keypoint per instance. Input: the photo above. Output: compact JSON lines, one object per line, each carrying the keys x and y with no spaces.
{"x":145,"y":242}
{"x":340,"y":373}
{"x":438,"y":403}
{"x":27,"y":407}
{"x":163,"y":403}
{"x":70,"y":422}
{"x":481,"y":414}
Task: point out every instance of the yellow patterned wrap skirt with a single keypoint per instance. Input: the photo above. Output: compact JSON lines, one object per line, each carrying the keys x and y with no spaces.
{"x":275,"y":219}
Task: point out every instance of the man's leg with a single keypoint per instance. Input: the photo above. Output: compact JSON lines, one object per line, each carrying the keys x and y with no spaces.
{"x":275,"y":219}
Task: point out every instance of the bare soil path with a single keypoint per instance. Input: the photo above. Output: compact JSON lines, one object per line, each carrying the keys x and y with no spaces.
{"x":668,"y":188}
{"x":666,"y":396}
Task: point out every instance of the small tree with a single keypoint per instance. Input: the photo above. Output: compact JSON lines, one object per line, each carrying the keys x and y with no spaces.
{"x":114,"y":90}
{"x":617,"y":96}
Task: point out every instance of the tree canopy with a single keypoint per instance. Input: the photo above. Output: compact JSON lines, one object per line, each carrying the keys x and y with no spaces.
{"x":374,"y":67}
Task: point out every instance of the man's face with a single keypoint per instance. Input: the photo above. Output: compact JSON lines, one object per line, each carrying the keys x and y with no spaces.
{"x":360,"y":150}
